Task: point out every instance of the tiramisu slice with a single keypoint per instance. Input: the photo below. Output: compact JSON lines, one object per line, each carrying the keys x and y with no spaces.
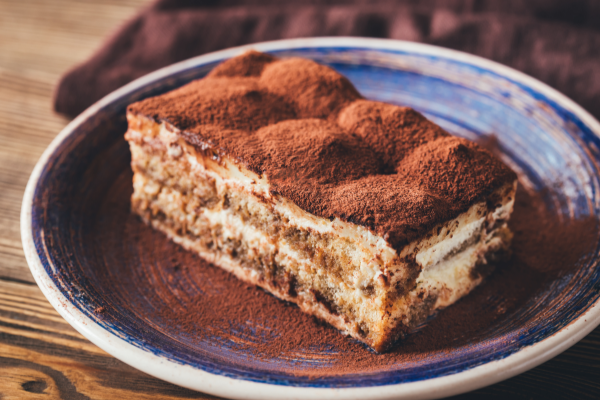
{"x":364,"y":214}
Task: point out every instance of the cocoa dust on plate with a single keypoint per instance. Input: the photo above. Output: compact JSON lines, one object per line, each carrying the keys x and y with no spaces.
{"x":191,"y":300}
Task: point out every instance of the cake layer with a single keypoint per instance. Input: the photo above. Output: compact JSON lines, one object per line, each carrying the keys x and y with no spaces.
{"x":337,"y":270}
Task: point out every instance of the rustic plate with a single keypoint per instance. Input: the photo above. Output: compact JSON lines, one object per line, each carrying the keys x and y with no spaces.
{"x":86,"y":254}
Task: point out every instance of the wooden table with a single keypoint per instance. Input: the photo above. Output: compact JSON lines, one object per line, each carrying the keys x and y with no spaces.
{"x":40,"y":354}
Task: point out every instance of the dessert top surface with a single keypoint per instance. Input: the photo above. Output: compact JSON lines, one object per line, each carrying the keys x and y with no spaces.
{"x":327,"y":149}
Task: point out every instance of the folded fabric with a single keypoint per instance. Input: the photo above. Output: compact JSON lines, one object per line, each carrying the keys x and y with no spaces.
{"x":555,"y":41}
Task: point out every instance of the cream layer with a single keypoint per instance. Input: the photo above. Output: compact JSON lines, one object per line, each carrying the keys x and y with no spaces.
{"x":374,"y":257}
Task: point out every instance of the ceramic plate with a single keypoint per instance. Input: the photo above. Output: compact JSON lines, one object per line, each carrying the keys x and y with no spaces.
{"x":83,"y":250}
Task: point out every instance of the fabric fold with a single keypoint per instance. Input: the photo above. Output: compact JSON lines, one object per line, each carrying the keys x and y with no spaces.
{"x":557,"y":44}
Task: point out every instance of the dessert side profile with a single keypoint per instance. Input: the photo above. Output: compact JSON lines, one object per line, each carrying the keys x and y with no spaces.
{"x":364,"y":214}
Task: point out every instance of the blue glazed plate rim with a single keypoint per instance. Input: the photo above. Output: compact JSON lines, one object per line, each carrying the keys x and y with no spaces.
{"x":197,"y":379}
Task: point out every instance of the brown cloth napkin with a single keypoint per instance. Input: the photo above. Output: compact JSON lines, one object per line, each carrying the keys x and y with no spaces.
{"x":555,"y":41}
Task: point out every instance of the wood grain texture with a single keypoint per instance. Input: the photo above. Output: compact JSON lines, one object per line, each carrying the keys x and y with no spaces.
{"x":41,"y":356}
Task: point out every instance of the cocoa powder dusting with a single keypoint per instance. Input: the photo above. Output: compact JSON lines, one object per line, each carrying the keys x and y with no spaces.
{"x":198,"y":301}
{"x":322,"y":146}
{"x":335,"y":155}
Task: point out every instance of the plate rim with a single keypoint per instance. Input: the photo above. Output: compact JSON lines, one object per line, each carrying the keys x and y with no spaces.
{"x":220,"y":385}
